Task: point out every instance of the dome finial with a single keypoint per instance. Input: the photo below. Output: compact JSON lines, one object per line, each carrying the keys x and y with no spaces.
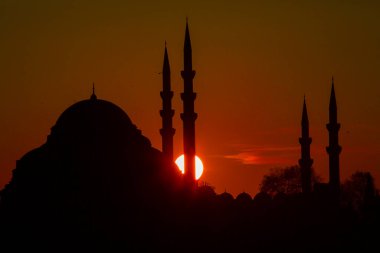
{"x":93,"y":96}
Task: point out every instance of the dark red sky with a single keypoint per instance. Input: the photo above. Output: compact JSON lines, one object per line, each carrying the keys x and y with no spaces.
{"x":254,"y":63}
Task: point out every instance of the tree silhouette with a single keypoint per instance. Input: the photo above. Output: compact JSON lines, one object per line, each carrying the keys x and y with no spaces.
{"x":285,"y":180}
{"x":359,"y":190}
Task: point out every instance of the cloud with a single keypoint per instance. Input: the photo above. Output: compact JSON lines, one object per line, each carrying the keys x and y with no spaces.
{"x":266,"y":155}
{"x":244,"y":158}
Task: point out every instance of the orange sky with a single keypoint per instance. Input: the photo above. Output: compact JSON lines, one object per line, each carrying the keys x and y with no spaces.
{"x":254,"y":63}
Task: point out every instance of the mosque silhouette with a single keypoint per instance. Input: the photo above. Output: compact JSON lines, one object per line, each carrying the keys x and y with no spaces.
{"x":98,"y":184}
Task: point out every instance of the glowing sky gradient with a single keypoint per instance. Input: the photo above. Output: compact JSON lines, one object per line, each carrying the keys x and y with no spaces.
{"x":254,"y":62}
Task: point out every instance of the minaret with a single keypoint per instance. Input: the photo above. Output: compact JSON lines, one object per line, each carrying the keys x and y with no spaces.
{"x":305,"y":162}
{"x":333,"y":149}
{"x":188,"y":116}
{"x":167,"y":131}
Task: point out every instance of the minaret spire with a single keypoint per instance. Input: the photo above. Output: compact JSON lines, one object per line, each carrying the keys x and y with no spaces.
{"x":333,"y":149}
{"x":332,"y":106}
{"x":167,"y":131}
{"x":188,"y":116}
{"x":305,"y":162}
{"x":187,"y":59}
{"x":93,"y":96}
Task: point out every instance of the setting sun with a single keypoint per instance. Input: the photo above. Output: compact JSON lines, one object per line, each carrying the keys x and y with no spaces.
{"x":198,"y":165}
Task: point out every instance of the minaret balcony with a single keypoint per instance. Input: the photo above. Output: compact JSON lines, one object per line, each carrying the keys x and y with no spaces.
{"x":166,"y":94}
{"x":189,"y":116}
{"x":167,"y":131}
{"x":333,"y":127}
{"x":188,"y":96}
{"x":334,"y":149}
{"x":305,"y":163}
{"x":186,"y":74}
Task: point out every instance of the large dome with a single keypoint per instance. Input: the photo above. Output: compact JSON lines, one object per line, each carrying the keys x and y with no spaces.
{"x":97,"y":179}
{"x":93,"y":120}
{"x":95,"y":109}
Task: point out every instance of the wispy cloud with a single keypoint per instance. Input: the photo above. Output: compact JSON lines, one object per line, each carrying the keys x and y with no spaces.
{"x":244,"y":157}
{"x":266,"y":155}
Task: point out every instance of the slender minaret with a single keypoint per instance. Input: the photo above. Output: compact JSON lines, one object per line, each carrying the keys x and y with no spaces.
{"x":305,"y":162}
{"x":167,"y":131}
{"x":333,"y":149}
{"x":188,"y":116}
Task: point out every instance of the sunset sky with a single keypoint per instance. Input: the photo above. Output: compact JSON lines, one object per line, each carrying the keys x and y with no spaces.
{"x":255,"y":60}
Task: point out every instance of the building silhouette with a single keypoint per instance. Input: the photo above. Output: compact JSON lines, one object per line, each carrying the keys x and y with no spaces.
{"x":95,"y":180}
{"x":333,"y":149}
{"x":305,"y":162}
{"x":97,"y":184}
{"x":188,"y":116}
{"x":167,"y":131}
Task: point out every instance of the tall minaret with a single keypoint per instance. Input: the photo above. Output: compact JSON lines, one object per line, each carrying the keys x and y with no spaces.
{"x":188,"y":116}
{"x":305,"y":162}
{"x":333,"y":149}
{"x":167,"y":131}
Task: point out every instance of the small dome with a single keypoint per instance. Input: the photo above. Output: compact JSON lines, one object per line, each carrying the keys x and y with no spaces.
{"x":243,"y":197}
{"x":226,"y":197}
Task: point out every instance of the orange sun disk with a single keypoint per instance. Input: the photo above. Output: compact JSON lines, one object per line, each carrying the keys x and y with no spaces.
{"x":180,"y":161}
